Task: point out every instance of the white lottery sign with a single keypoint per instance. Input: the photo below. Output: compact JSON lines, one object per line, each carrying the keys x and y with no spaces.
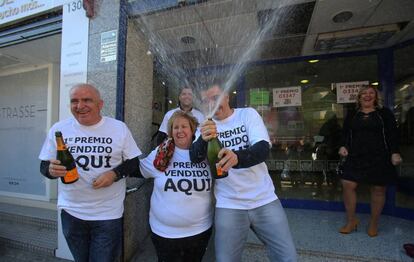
{"x":287,"y":96}
{"x":348,"y":92}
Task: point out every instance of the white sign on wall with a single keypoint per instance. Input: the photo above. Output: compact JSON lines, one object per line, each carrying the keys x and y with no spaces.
{"x":74,"y":53}
{"x":11,"y":10}
{"x":348,"y":92}
{"x":287,"y":96}
{"x":109,"y":44}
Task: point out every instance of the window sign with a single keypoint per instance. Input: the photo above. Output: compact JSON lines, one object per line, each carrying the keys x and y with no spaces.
{"x":11,"y":10}
{"x":259,"y":97}
{"x":287,"y":96}
{"x":109,"y":44}
{"x":348,"y":92}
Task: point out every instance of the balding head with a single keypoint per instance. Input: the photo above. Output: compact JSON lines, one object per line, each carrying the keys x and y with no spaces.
{"x":88,"y":86}
{"x":86,"y":104}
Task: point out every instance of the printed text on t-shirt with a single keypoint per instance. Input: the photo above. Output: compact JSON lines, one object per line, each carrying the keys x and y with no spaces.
{"x":100,"y":147}
{"x":235,"y":139}
{"x":196,"y":177}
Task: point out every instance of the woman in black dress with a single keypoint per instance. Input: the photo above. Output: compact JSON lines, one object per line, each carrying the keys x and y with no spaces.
{"x":370,"y":145}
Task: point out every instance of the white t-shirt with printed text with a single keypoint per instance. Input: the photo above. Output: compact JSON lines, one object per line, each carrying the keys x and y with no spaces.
{"x":244,"y":188}
{"x":181,"y":202}
{"x":96,"y":149}
{"x":164,"y":124}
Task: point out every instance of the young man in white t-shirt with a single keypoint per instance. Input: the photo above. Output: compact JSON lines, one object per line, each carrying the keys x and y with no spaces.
{"x":105,"y":152}
{"x":246,"y":198}
{"x":185,"y":103}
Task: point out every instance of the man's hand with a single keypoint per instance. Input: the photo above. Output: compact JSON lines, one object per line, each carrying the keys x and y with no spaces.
{"x":56,"y":169}
{"x":104,"y":180}
{"x":208,"y":130}
{"x":228,"y":159}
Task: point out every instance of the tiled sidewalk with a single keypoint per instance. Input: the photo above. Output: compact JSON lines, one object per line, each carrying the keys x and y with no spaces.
{"x":316,"y":238}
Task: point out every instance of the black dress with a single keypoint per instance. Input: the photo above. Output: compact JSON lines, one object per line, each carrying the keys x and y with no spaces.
{"x":370,"y":138}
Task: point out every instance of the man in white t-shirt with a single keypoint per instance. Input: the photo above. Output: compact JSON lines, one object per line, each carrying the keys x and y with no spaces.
{"x":105,"y":152}
{"x":246,"y":198}
{"x":185,"y":103}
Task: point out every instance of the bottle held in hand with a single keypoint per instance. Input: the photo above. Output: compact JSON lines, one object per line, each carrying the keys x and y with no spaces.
{"x":66,"y":159}
{"x":213,"y":148}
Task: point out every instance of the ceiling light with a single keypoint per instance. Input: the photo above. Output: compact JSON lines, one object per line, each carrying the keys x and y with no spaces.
{"x":374,"y":83}
{"x":188,"y":40}
{"x":304,"y":81}
{"x":234,"y":92}
{"x":313,"y":61}
{"x":342,"y":17}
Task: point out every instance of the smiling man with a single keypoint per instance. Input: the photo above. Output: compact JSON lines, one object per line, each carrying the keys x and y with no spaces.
{"x":86,"y":104}
{"x":185,"y":104}
{"x":246,"y":197}
{"x":105,"y":152}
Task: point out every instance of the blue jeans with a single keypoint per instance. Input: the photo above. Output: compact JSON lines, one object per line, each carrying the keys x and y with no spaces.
{"x":268,"y":222}
{"x":93,"y":241}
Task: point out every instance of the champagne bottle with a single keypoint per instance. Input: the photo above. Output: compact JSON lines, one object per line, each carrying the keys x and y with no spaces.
{"x":213,"y":148}
{"x":66,"y":159}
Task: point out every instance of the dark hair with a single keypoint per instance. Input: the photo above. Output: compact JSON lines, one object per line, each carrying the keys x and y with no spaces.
{"x":180,"y":91}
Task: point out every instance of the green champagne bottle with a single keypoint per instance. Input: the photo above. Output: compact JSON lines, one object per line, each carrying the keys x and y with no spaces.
{"x":213,"y":148}
{"x":66,"y":159}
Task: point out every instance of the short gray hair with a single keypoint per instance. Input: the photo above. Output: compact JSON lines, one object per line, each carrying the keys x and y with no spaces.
{"x":86,"y":85}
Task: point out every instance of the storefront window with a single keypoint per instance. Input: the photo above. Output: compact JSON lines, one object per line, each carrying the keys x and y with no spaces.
{"x":298,"y":103}
{"x":29,"y":77}
{"x":304,"y":125}
{"x":404,"y":109}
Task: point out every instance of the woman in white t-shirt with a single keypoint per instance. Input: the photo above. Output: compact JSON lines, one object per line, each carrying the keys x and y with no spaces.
{"x":181,"y":212}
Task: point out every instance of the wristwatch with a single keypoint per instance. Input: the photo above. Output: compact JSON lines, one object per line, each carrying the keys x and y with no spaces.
{"x":118,"y":174}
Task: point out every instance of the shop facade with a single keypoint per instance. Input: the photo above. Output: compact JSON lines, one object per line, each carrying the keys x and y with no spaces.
{"x":301,"y":79}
